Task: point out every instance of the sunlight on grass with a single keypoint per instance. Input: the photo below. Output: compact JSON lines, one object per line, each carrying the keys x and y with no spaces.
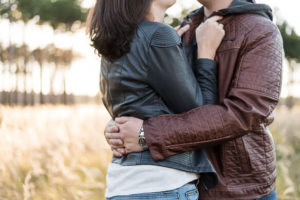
{"x":59,"y":152}
{"x":53,"y":152}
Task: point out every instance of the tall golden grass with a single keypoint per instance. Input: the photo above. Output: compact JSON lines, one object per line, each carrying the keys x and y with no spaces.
{"x":59,"y":152}
{"x":53,"y":152}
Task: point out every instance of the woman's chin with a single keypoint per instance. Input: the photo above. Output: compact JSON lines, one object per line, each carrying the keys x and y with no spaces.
{"x":166,"y":3}
{"x":172,"y":2}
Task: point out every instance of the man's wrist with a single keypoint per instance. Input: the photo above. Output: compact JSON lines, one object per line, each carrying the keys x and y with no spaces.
{"x":142,"y":139}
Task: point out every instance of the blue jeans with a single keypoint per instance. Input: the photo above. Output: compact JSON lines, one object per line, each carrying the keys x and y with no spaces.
{"x":186,"y":192}
{"x":272,"y":196}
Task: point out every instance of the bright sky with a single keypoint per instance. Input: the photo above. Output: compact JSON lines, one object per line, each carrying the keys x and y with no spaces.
{"x":84,"y":76}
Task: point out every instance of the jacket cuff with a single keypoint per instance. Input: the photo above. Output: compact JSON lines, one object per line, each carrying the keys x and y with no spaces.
{"x":204,"y":65}
{"x":154,"y":142}
{"x":206,"y":73}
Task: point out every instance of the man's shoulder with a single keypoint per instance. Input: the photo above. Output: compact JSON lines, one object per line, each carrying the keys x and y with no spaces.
{"x":254,"y":23}
{"x":257,"y":31}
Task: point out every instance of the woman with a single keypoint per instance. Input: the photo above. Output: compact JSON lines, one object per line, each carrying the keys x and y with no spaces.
{"x":144,"y":73}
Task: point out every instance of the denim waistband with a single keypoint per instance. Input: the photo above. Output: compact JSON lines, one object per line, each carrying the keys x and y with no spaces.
{"x":195,"y":161}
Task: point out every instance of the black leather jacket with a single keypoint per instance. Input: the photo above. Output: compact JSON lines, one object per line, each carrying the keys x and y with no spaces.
{"x":155,"y":77}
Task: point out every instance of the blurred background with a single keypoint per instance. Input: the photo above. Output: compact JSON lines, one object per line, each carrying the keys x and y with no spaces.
{"x":51,"y":114}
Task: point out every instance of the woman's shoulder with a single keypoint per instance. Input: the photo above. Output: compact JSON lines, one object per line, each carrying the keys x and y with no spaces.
{"x":159,"y":34}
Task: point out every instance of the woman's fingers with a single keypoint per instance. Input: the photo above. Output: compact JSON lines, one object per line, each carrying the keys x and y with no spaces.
{"x":215,"y":18}
{"x":182,"y":30}
{"x":209,"y":36}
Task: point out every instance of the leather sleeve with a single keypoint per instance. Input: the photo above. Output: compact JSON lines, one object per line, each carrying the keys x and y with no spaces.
{"x":206,"y":72}
{"x":254,"y":93}
{"x":172,"y":77}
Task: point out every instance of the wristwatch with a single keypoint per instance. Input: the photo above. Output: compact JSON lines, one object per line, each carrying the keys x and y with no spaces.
{"x":142,"y":139}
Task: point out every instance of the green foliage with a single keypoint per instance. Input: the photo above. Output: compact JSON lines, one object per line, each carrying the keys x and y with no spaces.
{"x":291,"y":42}
{"x":4,"y":8}
{"x":176,"y":21}
{"x":54,"y":12}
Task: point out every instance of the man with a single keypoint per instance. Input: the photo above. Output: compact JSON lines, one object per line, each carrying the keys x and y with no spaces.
{"x":235,"y":132}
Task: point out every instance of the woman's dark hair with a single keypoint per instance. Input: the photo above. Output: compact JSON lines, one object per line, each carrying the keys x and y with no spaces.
{"x":112,"y":25}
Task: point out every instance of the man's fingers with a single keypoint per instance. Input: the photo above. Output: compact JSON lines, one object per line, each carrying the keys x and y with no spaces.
{"x":118,"y":148}
{"x":182,"y":30}
{"x":112,"y":129}
{"x":114,"y":136}
{"x":177,"y":28}
{"x":116,"y":153}
{"x":122,"y":150}
{"x":121,"y":120}
{"x":115,"y":142}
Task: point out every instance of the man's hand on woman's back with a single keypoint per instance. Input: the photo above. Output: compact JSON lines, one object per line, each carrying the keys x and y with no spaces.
{"x":123,"y":134}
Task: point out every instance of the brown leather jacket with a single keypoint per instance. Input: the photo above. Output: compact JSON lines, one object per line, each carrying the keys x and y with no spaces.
{"x":235,"y":132}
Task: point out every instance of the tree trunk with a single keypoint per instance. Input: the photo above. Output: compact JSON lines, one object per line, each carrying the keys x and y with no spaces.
{"x":41,"y":84}
{"x":25,"y":102}
{"x":65,"y":101}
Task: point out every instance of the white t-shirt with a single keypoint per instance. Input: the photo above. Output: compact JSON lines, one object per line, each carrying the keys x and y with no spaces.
{"x":127,"y":180}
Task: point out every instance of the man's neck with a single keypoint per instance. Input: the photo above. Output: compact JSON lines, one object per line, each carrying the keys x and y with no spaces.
{"x":215,"y":5}
{"x":156,"y":13}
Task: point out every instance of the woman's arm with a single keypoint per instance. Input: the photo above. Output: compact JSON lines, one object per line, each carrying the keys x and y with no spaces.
{"x":171,"y":76}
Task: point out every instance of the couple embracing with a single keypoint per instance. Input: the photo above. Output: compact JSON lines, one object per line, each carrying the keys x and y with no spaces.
{"x":191,"y":106}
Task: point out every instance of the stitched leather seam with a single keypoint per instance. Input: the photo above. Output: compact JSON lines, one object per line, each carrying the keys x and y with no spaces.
{"x":255,"y":185}
{"x":144,"y":33}
{"x":198,"y":143}
{"x":229,"y":49}
{"x":273,"y":97}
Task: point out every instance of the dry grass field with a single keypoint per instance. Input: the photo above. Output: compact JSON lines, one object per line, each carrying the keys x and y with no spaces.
{"x":53,"y":152}
{"x":59,"y":153}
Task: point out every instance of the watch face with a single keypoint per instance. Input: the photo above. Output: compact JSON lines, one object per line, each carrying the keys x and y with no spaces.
{"x":142,"y":141}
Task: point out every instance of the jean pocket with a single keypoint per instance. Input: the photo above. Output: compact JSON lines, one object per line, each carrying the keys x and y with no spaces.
{"x":192,"y":195}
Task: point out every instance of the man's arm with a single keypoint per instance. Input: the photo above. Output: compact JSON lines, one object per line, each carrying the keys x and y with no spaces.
{"x":248,"y":105}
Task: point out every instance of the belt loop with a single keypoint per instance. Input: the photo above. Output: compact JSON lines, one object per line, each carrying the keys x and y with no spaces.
{"x":197,"y":183}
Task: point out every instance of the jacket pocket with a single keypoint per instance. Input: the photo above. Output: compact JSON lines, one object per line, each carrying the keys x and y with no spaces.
{"x":244,"y":159}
